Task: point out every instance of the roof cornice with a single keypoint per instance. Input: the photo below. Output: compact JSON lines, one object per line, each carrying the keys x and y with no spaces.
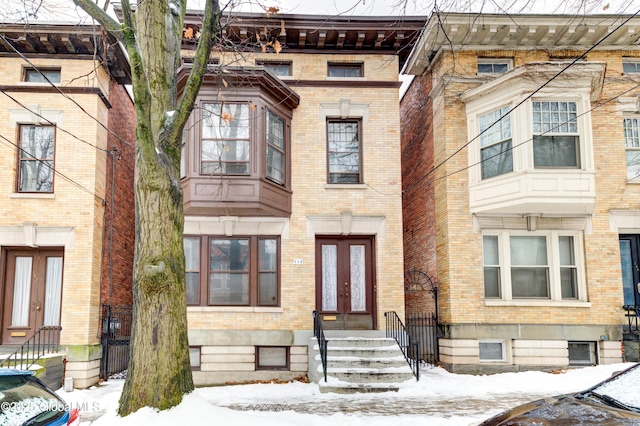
{"x":468,"y":31}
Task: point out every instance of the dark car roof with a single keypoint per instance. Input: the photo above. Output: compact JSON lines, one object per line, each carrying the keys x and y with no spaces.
{"x":14,"y":372}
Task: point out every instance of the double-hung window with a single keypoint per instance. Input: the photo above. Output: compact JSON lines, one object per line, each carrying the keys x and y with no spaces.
{"x":344,"y":150}
{"x":36,"y":158}
{"x":532,"y":265}
{"x":632,"y":146}
{"x":226,"y":143}
{"x":241,"y":271}
{"x":556,"y":141}
{"x":495,"y":143}
{"x":276,"y":152}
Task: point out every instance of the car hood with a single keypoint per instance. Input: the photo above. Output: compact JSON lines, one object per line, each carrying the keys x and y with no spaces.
{"x":564,"y":410}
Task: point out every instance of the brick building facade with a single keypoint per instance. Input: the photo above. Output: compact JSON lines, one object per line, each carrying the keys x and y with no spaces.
{"x":291,"y":171}
{"x":520,"y":190}
{"x":63,"y":113}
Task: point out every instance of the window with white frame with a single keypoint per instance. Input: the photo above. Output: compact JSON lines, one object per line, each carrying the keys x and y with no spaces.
{"x":582,"y":353}
{"x":540,"y":265}
{"x":494,"y":65}
{"x":495,"y":143}
{"x":556,"y":140}
{"x":491,"y":351}
{"x":630,"y":66}
{"x":632,"y":146}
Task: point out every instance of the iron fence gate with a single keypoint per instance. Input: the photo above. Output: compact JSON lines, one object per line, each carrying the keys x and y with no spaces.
{"x":423,"y":329}
{"x":116,"y":332}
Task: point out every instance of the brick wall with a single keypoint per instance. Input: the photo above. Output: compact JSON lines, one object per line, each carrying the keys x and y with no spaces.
{"x":119,"y":235}
{"x":419,"y":237}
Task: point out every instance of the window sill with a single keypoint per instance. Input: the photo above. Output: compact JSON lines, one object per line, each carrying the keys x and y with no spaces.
{"x":346,"y":78}
{"x":549,"y":303}
{"x":239,"y":309}
{"x":345,"y":186}
{"x":34,"y":195}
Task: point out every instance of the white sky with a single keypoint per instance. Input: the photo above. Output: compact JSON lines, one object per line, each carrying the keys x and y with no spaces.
{"x":454,"y":400}
{"x":16,"y":10}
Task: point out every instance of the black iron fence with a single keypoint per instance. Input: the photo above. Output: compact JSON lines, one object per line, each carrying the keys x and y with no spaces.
{"x":116,"y":332}
{"x":318,"y":333}
{"x":46,"y":340}
{"x":423,"y":329}
{"x":410,"y":348}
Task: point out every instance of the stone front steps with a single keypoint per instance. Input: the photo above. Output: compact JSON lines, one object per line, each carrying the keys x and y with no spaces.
{"x":369,"y":363}
{"x":48,"y":368}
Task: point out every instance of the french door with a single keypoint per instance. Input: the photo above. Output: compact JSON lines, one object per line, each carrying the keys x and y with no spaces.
{"x":32,"y":292}
{"x":345,"y":283}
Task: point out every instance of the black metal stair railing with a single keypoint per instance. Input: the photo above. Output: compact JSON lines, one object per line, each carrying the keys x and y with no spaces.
{"x":45,"y":340}
{"x":632,"y":312}
{"x":318,"y":333}
{"x":410,"y":349}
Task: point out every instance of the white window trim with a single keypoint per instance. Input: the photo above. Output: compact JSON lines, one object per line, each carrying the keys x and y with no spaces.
{"x":555,"y":290}
{"x":630,"y":61}
{"x":522,"y":136}
{"x":505,"y":351}
{"x":507,"y":61}
{"x":634,"y":180}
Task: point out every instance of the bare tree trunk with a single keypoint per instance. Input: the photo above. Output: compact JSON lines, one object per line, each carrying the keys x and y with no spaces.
{"x":159,"y":369}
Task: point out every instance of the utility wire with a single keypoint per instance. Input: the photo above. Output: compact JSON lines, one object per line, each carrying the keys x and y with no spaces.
{"x":436,"y":167}
{"x":599,"y":105}
{"x":68,"y":179}
{"x":8,"y":42}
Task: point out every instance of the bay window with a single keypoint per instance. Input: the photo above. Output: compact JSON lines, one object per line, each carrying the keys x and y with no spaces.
{"x":556,"y":140}
{"x":226,"y":143}
{"x":242,"y":271}
{"x":276,"y":152}
{"x":632,"y":146}
{"x":540,"y":265}
{"x":495,"y":143}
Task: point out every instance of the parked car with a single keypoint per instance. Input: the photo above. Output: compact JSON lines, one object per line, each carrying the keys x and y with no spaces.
{"x":615,"y":401}
{"x":26,"y":401}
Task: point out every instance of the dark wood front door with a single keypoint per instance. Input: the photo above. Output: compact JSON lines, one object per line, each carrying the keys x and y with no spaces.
{"x":345,"y":283}
{"x":32,"y":292}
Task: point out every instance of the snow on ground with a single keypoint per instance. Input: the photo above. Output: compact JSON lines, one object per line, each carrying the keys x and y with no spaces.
{"x":440,"y":398}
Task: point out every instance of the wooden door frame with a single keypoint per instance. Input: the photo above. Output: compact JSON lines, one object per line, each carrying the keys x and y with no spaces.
{"x":373,"y":291}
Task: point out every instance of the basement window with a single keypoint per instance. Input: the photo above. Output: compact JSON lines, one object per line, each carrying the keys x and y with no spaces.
{"x":272,"y":358}
{"x":194,"y":357}
{"x":492,"y":351}
{"x":582,"y":353}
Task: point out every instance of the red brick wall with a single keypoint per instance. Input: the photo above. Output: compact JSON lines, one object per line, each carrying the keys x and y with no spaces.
{"x":418,"y":202}
{"x":117,"y":259}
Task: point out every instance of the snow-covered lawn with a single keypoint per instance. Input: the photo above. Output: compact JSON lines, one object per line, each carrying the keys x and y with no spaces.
{"x":439,"y":398}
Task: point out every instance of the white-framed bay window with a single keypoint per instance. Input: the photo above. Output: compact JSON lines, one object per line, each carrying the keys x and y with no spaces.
{"x":631,"y":127}
{"x":522,"y":267}
{"x":495,"y":143}
{"x":556,"y":139}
